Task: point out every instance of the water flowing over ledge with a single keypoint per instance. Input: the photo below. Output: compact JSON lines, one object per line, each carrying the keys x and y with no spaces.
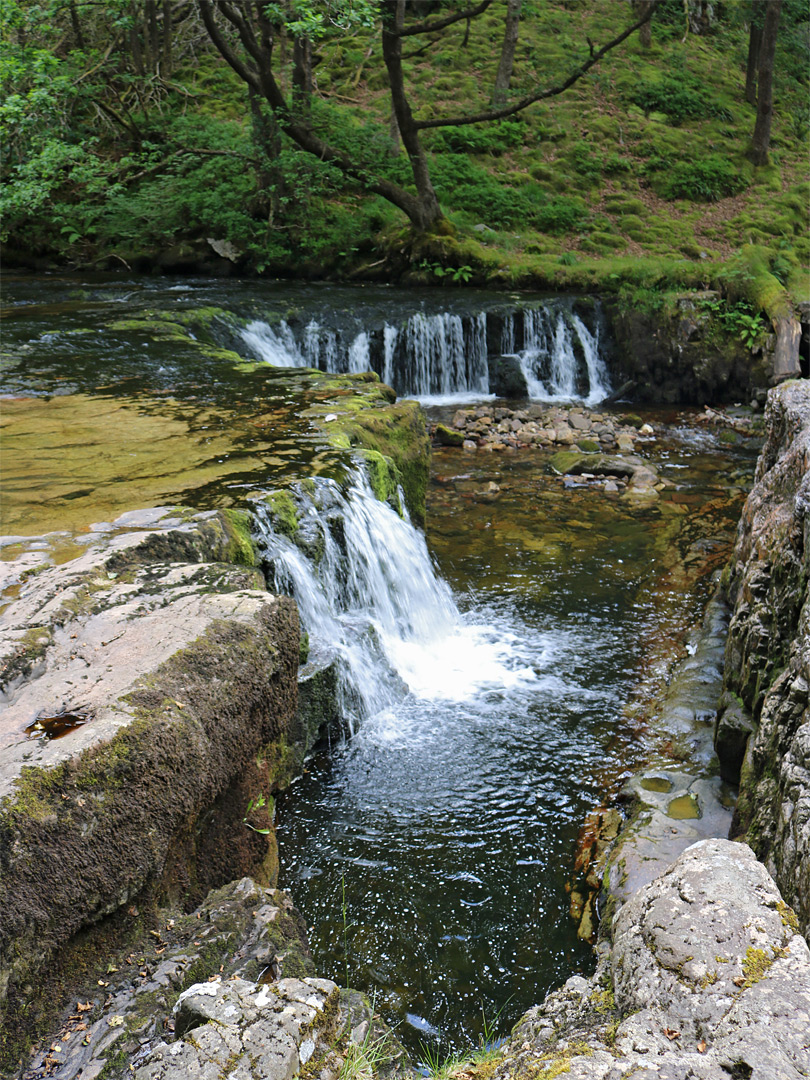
{"x":446,"y":356}
{"x":368,"y":595}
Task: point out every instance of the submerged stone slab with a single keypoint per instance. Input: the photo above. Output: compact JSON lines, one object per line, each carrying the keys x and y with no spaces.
{"x":181,"y":667}
{"x":677,"y":802}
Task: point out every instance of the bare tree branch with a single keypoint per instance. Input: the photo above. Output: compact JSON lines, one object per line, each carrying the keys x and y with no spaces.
{"x":553,"y":91}
{"x":429,"y":27}
{"x":222,"y":44}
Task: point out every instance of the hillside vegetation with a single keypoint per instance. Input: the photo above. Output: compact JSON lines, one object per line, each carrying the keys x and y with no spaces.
{"x":130,"y":141}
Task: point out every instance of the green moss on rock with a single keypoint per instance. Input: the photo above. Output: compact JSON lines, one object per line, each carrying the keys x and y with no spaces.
{"x":447,"y":436}
{"x":283,"y":512}
{"x":241,"y":549}
{"x":384,"y":477}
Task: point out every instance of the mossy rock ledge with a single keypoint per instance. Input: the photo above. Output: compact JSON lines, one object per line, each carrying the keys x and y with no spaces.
{"x":181,"y":671}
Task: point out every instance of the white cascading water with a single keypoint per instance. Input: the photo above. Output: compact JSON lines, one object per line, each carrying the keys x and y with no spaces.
{"x":359,"y":356}
{"x":275,"y":345}
{"x":549,"y":360}
{"x":373,"y":600}
{"x":443,"y":357}
{"x":440,"y":362}
{"x":508,"y":334}
{"x":390,"y":336}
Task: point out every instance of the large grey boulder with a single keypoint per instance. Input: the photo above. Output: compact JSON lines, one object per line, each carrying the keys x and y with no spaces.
{"x":707,"y":977}
{"x":181,"y":668}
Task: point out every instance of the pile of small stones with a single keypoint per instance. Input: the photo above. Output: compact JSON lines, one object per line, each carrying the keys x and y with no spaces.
{"x":494,"y":428}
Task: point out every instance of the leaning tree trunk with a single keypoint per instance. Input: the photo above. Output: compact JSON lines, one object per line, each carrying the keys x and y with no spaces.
{"x":767,"y":51}
{"x":428,"y":213}
{"x":504,"y":74}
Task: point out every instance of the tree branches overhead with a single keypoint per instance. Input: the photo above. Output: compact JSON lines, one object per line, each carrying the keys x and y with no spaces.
{"x":246,"y":36}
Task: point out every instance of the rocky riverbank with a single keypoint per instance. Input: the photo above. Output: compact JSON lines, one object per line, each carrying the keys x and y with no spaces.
{"x":152,"y":708}
{"x":495,"y":428}
{"x":763,"y":729}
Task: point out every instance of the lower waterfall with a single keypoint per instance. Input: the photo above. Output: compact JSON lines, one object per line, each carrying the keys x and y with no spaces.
{"x":481,"y":721}
{"x":368,"y":595}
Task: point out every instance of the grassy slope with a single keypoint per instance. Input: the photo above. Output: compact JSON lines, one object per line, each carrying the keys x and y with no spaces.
{"x":594,"y":147}
{"x":575,"y":193}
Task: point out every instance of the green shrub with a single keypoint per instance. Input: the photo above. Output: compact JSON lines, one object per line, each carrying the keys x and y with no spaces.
{"x":704,"y":180}
{"x":680,"y":97}
{"x":481,"y":138}
{"x":562,"y":214}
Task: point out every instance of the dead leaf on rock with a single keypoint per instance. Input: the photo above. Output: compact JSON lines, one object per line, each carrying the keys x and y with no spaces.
{"x":701,"y":1046}
{"x":671,"y":1033}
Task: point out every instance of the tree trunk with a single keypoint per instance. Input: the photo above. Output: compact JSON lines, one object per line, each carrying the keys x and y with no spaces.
{"x":504,"y":74}
{"x":754,"y":44}
{"x":166,"y":62}
{"x":268,"y":137}
{"x":393,"y":131}
{"x":77,"y":26}
{"x":767,"y":51}
{"x":151,"y":37}
{"x":640,"y":9}
{"x":302,"y":79}
{"x":427,"y":211}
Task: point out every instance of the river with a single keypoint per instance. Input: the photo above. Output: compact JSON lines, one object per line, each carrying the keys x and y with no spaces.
{"x":490,"y":664}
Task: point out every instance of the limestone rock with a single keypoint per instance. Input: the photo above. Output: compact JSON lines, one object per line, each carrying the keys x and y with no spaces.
{"x":184,"y":667}
{"x":706,"y":978}
{"x":768,"y":653}
{"x":242,"y":931}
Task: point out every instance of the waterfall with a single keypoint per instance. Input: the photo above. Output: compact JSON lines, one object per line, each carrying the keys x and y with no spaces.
{"x":275,"y":346}
{"x":550,"y":360}
{"x":390,"y":336}
{"x":441,"y":356}
{"x":442,"y":359}
{"x":359,"y":359}
{"x":368,"y":595}
{"x":508,"y":334}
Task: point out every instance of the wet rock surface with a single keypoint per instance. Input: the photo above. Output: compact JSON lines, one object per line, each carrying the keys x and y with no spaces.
{"x":591,"y":447}
{"x":706,"y":977}
{"x":241,"y":931}
{"x":767,"y":668}
{"x":679,"y":799}
{"x":674,"y":356}
{"x":226,"y":990}
{"x":494,"y":427}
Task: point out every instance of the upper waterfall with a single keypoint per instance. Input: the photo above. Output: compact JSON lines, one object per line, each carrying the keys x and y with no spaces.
{"x":445,"y":355}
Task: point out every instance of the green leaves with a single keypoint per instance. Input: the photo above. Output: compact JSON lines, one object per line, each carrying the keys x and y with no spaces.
{"x":318,"y":20}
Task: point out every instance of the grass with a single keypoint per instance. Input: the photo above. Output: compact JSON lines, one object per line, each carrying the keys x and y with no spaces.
{"x":478,"y":1063}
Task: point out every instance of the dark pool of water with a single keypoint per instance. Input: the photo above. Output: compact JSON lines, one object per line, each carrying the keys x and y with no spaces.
{"x":431,"y":853}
